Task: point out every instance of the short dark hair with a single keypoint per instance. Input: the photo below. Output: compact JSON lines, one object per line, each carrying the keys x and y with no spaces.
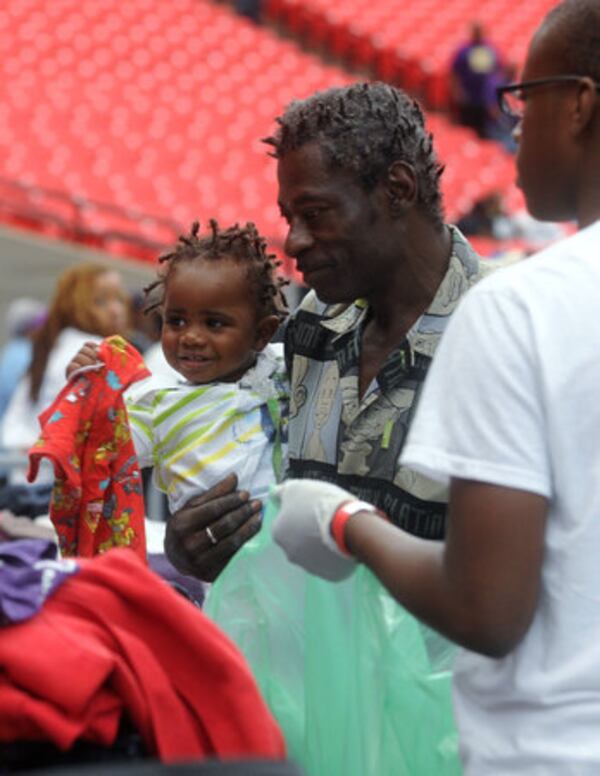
{"x":364,"y":128}
{"x":244,"y":245}
{"x":579,"y":40}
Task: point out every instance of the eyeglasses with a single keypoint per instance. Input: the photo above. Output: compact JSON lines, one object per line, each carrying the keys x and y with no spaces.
{"x":511,"y":98}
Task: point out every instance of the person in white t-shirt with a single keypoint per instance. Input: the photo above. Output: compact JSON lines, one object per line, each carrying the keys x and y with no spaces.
{"x":510,"y":418}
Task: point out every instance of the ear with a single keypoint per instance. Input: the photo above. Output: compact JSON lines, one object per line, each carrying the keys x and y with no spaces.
{"x":401,"y":187}
{"x":265,"y":330}
{"x":586,"y":106}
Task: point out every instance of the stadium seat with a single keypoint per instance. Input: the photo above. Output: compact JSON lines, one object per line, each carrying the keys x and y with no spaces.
{"x":158,"y":108}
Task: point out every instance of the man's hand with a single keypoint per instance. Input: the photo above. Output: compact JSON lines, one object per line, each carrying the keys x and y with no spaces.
{"x":86,"y":356}
{"x":303,"y":526}
{"x":204,"y":535}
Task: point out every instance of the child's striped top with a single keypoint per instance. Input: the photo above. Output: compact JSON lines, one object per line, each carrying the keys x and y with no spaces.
{"x":194,"y":435}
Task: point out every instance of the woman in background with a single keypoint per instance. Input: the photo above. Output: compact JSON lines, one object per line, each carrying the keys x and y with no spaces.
{"x":90,"y":302}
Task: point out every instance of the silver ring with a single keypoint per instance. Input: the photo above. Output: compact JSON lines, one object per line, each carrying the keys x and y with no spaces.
{"x":211,"y":536}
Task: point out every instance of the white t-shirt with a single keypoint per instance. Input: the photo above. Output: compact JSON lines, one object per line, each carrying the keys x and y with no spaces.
{"x":513,"y":399}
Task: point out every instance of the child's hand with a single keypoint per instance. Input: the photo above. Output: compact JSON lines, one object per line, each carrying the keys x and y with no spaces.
{"x":85,"y":357}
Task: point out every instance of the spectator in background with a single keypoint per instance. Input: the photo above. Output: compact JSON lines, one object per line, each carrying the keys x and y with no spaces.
{"x":145,"y":329}
{"x":500,"y":127}
{"x":90,"y":301}
{"x":251,"y":9}
{"x":23,"y":317}
{"x":146,"y":336}
{"x":475,"y":71}
{"x":486,"y":217}
{"x":489,"y":217}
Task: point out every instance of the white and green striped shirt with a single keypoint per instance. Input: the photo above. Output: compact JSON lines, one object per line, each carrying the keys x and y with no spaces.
{"x":194,"y":435}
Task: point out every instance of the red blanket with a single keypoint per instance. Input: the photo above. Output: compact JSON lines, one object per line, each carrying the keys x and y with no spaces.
{"x":115,"y":638}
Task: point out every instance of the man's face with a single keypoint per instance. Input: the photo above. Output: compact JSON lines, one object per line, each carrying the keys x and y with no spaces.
{"x":544,"y":162}
{"x":336,"y":230}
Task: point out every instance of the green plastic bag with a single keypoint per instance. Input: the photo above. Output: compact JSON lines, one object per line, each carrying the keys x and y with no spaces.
{"x":358,"y":685}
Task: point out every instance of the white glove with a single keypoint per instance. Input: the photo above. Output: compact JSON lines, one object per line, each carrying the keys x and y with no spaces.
{"x":302,"y":526}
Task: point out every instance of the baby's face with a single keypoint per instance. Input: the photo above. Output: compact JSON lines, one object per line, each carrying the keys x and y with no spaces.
{"x":209,"y":328}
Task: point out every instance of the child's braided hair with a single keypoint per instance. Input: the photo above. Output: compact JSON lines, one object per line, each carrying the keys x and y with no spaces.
{"x":243,"y":244}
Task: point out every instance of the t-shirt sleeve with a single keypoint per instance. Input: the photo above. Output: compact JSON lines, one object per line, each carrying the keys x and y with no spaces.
{"x":481,"y":414}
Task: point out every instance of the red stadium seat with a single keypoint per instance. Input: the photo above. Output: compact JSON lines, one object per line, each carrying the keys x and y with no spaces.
{"x":409,"y":42}
{"x":158,"y":108}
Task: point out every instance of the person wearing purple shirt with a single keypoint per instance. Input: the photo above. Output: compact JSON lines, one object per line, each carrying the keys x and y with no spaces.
{"x":475,"y":71}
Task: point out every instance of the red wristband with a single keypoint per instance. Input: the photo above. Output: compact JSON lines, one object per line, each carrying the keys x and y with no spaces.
{"x":342,"y":514}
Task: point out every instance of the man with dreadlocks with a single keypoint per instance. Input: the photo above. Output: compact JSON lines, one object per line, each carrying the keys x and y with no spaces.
{"x":220,"y":302}
{"x":359,"y":189}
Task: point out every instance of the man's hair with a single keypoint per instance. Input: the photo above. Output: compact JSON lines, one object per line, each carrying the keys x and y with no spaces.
{"x":242,"y":244}
{"x":578,"y":43}
{"x":364,"y":128}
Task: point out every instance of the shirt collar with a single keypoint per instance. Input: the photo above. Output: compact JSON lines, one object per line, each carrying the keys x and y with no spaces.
{"x":260,"y":377}
{"x":347,"y":319}
{"x":426,"y":331}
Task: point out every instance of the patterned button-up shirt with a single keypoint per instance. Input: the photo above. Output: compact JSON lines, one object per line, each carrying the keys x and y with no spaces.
{"x":356,"y":442}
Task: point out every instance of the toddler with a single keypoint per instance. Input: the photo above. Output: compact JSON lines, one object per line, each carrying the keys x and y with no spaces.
{"x":225,"y":410}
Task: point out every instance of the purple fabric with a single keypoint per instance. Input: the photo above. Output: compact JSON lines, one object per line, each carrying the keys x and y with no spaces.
{"x":29,"y":572}
{"x":193,"y":589}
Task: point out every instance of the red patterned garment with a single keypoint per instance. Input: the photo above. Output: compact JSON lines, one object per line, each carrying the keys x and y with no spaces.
{"x":97,"y":500}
